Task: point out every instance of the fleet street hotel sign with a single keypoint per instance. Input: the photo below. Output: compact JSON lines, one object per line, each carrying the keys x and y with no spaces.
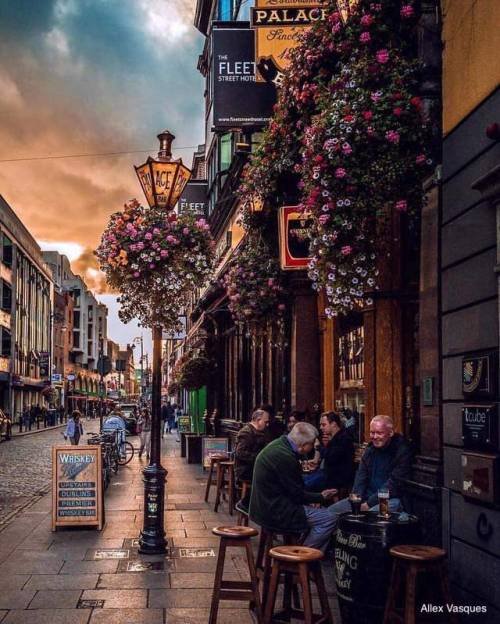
{"x":277,"y":25}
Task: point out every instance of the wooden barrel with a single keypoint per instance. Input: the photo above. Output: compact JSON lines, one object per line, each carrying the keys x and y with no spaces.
{"x":363,"y":563}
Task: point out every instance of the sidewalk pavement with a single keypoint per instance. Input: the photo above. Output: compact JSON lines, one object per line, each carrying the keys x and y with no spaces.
{"x":35,"y":430}
{"x":90,"y":577}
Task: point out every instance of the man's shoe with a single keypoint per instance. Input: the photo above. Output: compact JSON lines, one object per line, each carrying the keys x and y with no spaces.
{"x":242,"y":507}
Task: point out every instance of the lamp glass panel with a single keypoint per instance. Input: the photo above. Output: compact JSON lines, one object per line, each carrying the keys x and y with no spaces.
{"x":144,"y":174}
{"x":163,"y":179}
{"x":180,"y":182}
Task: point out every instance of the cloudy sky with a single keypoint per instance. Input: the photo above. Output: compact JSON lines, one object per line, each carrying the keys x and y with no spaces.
{"x":91,"y":77}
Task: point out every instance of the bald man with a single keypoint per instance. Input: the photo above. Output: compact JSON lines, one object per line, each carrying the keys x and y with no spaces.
{"x":385,"y":462}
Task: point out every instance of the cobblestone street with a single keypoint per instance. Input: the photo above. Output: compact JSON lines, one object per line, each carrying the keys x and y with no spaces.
{"x":25,"y":469}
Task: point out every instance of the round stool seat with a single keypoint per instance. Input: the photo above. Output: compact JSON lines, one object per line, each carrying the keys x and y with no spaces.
{"x":235,"y":532}
{"x":416,"y":553}
{"x":218,"y":458}
{"x":295,"y":554}
{"x":227,"y":462}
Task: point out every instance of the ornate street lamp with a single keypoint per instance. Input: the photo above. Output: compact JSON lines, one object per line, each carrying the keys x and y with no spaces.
{"x":162,"y":181}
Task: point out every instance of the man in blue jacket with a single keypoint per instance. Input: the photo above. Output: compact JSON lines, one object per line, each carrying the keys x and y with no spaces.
{"x":385,"y":462}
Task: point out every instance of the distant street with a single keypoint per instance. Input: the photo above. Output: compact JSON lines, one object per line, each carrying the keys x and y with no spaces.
{"x":25,"y":469}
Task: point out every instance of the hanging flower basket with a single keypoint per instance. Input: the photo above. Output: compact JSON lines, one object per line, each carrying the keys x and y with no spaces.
{"x":173,"y":388}
{"x":195,"y":373}
{"x":155,"y":260}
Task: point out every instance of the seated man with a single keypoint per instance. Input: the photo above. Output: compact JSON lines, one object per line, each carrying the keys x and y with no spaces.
{"x":279,"y":500}
{"x":386,"y":460}
{"x":337,"y":469}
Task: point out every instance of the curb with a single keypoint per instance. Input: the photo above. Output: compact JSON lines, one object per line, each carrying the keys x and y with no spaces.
{"x":27,"y":433}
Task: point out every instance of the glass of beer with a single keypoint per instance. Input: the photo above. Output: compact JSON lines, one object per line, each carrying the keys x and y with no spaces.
{"x":355,"y":501}
{"x":383,"y":502}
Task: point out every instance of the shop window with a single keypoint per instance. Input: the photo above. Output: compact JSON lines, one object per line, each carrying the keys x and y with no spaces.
{"x":242,"y":10}
{"x":7,"y":250}
{"x":225,"y":151}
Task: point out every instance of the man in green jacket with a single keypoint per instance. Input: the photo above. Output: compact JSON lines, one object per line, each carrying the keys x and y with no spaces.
{"x":279,"y":501}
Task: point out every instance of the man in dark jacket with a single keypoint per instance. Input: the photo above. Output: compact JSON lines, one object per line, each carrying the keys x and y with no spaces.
{"x":250,"y":441}
{"x":386,"y":461}
{"x":337,"y":469}
{"x":279,"y":500}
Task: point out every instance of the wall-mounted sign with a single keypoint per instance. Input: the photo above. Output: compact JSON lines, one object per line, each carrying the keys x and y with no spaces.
{"x":294,"y":229}
{"x":184,"y":424}
{"x":238,"y":100}
{"x":56,"y":378}
{"x":211,"y":447}
{"x":480,"y":426}
{"x":478,"y":376}
{"x":428,"y":391}
{"x":43,"y":363}
{"x":278,"y":24}
{"x":193,"y":199}
{"x":77,"y":497}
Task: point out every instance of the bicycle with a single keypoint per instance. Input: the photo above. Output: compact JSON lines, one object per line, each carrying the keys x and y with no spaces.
{"x":123,"y":448}
{"x":107,"y":442}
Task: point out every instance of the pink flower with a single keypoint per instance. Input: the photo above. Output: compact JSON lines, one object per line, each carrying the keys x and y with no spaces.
{"x":270,"y":281}
{"x":401,"y":205}
{"x":137,"y":274}
{"x":398,"y":111}
{"x":346,"y":148}
{"x":148,"y":236}
{"x":170,"y":239}
{"x":367,"y":115}
{"x":282,"y":307}
{"x":366,"y":20}
{"x":151,"y":266}
{"x":336,"y":27}
{"x":340,"y":172}
{"x":185,"y":231}
{"x":163,"y":253}
{"x":346,"y":250}
{"x":392,"y":136}
{"x":420,"y":159}
{"x":382,"y":56}
{"x":365,"y":37}
{"x":407,"y":11}
{"x":156,"y":231}
{"x":375,"y":97}
{"x":324,"y":218}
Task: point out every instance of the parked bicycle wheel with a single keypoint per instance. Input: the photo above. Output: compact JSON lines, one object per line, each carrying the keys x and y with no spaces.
{"x":127,"y":453}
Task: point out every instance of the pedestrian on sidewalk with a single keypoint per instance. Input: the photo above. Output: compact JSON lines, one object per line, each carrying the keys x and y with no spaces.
{"x":74,"y":428}
{"x":144,"y":426}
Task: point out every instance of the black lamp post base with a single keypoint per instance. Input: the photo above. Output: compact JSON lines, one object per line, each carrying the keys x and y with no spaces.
{"x":152,"y":538}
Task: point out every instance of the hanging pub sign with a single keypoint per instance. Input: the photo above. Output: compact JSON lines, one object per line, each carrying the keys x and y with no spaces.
{"x":478,"y":376}
{"x":238,"y":101}
{"x":277,"y":25}
{"x":294,"y":230}
{"x":77,"y":495}
{"x":193,"y":199}
{"x":480,"y":426}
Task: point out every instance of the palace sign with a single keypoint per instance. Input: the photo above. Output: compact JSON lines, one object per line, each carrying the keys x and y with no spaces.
{"x":277,"y":25}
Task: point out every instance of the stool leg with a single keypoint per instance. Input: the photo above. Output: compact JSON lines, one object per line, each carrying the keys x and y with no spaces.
{"x":287,"y":595}
{"x":306,"y":593}
{"x":261,"y":550}
{"x":390,"y":605}
{"x":253,"y":579}
{"x":231,"y":491}
{"x":209,"y":481}
{"x":219,"y":572}
{"x":266,"y":575}
{"x":271,"y":596}
{"x":219,"y":487}
{"x":445,"y":590}
{"x":411,"y":581}
{"x":322,"y":595}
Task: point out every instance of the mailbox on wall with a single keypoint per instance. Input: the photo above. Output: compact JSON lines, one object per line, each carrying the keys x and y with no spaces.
{"x":480,"y":475}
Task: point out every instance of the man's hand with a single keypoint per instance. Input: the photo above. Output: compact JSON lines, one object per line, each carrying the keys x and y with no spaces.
{"x":364,"y":507}
{"x":329,"y":494}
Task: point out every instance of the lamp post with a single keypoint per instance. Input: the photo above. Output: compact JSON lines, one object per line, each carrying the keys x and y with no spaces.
{"x":140,"y":340}
{"x":162,"y":181}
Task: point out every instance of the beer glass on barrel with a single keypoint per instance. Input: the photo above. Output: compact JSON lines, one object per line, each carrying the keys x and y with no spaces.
{"x":383,"y":502}
{"x":355,"y":500}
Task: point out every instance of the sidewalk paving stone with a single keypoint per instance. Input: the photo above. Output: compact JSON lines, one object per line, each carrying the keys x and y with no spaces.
{"x":200,"y":616}
{"x":14,"y":581}
{"x":56,"y":599}
{"x":62,"y":581}
{"x":135,"y":580}
{"x":48,"y":616}
{"x":118,"y":598}
{"x":127,"y":616}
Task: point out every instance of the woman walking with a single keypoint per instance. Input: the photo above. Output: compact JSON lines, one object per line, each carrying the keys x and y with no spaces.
{"x":144,"y":423}
{"x":74,"y":428}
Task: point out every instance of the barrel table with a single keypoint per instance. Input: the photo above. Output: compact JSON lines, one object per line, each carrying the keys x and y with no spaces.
{"x":363,"y":562}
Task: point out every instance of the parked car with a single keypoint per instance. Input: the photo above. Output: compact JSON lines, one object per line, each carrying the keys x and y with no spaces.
{"x":5,"y":426}
{"x":129,"y":413}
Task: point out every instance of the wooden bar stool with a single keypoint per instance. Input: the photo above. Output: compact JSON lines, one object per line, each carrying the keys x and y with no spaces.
{"x":225,"y":484}
{"x":303,"y":562}
{"x":214,"y":459}
{"x":239,"y":537}
{"x":267,"y":539}
{"x":409,"y":561}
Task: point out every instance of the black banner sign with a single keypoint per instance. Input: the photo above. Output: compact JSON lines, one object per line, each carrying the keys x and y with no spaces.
{"x":239,"y":101}
{"x":480,"y":426}
{"x":193,"y":199}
